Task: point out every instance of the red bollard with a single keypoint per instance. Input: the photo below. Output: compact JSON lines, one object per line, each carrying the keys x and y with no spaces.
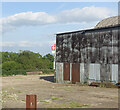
{"x":31,"y":102}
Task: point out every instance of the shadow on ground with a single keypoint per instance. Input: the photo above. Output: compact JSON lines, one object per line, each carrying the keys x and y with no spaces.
{"x":47,"y":78}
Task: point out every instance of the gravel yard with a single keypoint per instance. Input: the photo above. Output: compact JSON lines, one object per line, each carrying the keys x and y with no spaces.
{"x":54,"y":95}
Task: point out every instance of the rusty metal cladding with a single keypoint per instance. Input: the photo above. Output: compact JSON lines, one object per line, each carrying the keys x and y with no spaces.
{"x":69,"y":48}
{"x":119,"y":53}
{"x":81,"y":39}
{"x":59,"y":72}
{"x":86,"y":72}
{"x":82,"y":72}
{"x":108,"y":72}
{"x":66,"y":71}
{"x":70,"y":72}
{"x":104,"y":73}
{"x":115,"y":46}
{"x":94,"y":46}
{"x":114,"y":69}
{"x":59,"y":48}
{"x":76,"y":48}
{"x":94,"y":72}
{"x":97,"y":72}
{"x":65,"y":50}
{"x":75,"y":72}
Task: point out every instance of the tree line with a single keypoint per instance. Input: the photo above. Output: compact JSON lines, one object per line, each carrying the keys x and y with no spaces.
{"x":19,"y":63}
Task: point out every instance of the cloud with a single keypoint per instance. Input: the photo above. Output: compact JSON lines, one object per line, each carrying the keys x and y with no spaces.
{"x":26,"y":19}
{"x":29,"y":18}
{"x":51,"y":43}
{"x":84,"y":15}
{"x":27,"y":44}
{"x":21,"y":44}
{"x":76,"y":15}
{"x":8,"y":44}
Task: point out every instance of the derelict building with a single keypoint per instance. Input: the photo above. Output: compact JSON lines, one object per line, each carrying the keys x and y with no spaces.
{"x":89,"y":55}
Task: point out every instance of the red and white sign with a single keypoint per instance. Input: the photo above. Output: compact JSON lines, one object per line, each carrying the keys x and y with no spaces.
{"x":53,"y":48}
{"x":54,"y":45}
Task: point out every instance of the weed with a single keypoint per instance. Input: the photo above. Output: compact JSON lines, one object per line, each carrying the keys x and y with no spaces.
{"x":5,"y":96}
{"x":24,"y":100}
{"x":72,"y":104}
{"x":45,"y":101}
{"x":55,"y":98}
{"x":19,"y":91}
{"x":76,"y":104}
{"x":102,"y":85}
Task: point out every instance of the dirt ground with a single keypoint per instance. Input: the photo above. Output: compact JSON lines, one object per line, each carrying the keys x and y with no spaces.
{"x":54,"y":95}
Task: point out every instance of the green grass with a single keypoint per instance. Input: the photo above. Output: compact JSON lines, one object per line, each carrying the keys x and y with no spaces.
{"x":73,"y":104}
{"x":19,"y":91}
{"x":24,"y":100}
{"x":6,"y":95}
{"x":76,"y":104}
{"x":44,"y":101}
{"x":57,"y":109}
{"x":55,"y":98}
{"x":102,"y":85}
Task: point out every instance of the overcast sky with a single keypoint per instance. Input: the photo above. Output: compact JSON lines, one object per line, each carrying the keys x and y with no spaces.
{"x":33,"y":25}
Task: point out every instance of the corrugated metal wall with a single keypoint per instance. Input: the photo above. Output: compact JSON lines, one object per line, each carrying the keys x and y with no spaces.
{"x":87,"y":56}
{"x":59,"y":72}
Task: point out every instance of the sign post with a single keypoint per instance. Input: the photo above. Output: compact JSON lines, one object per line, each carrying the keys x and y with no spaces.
{"x":31,"y":102}
{"x":54,"y":52}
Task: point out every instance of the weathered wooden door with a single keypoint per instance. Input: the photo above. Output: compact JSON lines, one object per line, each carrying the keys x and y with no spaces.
{"x":66,"y":73}
{"x":75,"y":72}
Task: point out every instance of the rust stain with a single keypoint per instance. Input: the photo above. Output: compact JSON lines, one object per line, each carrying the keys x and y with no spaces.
{"x":31,"y":102}
{"x":75,"y":72}
{"x":66,"y":73}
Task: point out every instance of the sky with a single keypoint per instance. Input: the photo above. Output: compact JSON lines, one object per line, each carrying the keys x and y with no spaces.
{"x":33,"y":25}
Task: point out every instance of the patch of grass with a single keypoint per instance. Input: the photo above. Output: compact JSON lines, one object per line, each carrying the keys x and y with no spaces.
{"x":44,"y":101}
{"x":55,"y":98}
{"x":76,"y":104}
{"x":57,"y":108}
{"x":5,"y":96}
{"x":24,"y":100}
{"x":19,"y":91}
{"x":72,"y":104}
{"x":102,"y":85}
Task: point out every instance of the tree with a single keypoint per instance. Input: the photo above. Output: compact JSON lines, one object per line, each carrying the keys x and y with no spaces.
{"x":24,"y":61}
{"x":11,"y":65}
{"x":29,"y":60}
{"x":49,"y":57}
{"x":9,"y":56}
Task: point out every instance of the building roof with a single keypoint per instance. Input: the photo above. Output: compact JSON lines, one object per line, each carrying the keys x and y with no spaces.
{"x":108,"y":22}
{"x":104,"y":24}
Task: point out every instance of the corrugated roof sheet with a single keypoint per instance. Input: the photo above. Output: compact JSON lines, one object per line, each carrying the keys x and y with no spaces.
{"x":108,"y":22}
